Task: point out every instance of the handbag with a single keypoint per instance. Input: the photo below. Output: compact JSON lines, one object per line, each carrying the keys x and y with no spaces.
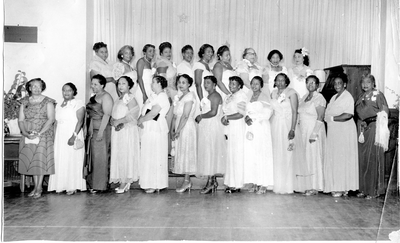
{"x":78,"y":144}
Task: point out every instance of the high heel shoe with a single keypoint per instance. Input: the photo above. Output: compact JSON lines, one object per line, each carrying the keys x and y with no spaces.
{"x":32,"y":193}
{"x":261,"y":190}
{"x":184,"y":188}
{"x":254,"y":188}
{"x":38,"y":193}
{"x":69,"y":193}
{"x":150,"y":190}
{"x":125,"y":189}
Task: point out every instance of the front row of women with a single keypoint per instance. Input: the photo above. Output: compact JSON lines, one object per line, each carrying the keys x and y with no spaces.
{"x":250,"y":138}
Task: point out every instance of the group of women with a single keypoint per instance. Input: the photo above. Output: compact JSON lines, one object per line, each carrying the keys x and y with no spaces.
{"x":257,"y":126}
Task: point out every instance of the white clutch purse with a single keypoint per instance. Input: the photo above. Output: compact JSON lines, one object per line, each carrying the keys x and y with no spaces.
{"x":32,"y":141}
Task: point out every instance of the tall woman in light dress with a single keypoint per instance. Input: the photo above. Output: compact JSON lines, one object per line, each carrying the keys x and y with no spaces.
{"x":248,"y":68}
{"x":186,"y":66}
{"x":223,"y":70}
{"x":300,"y":71}
{"x":312,"y":129}
{"x":274,"y":68}
{"x":153,"y":166}
{"x":70,"y":117}
{"x":258,"y":153}
{"x":145,"y":71}
{"x":183,"y":129}
{"x":211,"y":143}
{"x":283,"y":124}
{"x":370,"y":107}
{"x":36,"y":148}
{"x":233,"y":119}
{"x":201,"y":68}
{"x":341,"y":157}
{"x":100,"y":65}
{"x":125,"y":149}
{"x":99,"y":110}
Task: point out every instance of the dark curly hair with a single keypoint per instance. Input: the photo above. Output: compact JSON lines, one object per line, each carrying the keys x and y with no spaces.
{"x":28,"y":85}
{"x":99,"y":45}
{"x":260,"y":80}
{"x":187,"y":47}
{"x":287,"y":80}
{"x":128,"y":79}
{"x":221,"y":51}
{"x":147,"y":46}
{"x":306,"y":58}
{"x":73,"y":87}
{"x":101,"y":78}
{"x":163,"y":46}
{"x":342,"y":76}
{"x":271,"y":53}
{"x":161,"y":80}
{"x":237,"y":79}
{"x":313,"y":77}
{"x":203,"y":48}
{"x":212,"y":78}
{"x":185,"y":76}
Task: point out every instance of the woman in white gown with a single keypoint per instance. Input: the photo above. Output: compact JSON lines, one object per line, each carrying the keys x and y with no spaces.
{"x":248,"y":68}
{"x":233,"y":120}
{"x":312,"y":128}
{"x":183,"y":132}
{"x":223,"y":70}
{"x":68,"y":159}
{"x":100,"y":65}
{"x":145,"y":72}
{"x":258,"y":153}
{"x":153,"y":166}
{"x":125,"y":150}
{"x":274,"y":68}
{"x":211,"y":142}
{"x":186,"y":67}
{"x":300,"y":72}
{"x":201,"y":68}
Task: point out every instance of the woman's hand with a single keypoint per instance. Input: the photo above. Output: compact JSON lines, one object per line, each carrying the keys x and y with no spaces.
{"x":99,"y":136}
{"x":248,"y":121}
{"x":71,"y":140}
{"x":198,"y":118}
{"x":291,"y":134}
{"x":175,"y":135}
{"x":225,"y":121}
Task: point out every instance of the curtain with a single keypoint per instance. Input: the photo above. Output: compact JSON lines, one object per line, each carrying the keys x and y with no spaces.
{"x":336,"y":32}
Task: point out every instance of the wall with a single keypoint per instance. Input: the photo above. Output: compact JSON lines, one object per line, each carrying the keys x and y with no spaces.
{"x":59,"y":55}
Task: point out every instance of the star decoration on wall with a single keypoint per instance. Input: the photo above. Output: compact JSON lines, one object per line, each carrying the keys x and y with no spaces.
{"x":183,"y":18}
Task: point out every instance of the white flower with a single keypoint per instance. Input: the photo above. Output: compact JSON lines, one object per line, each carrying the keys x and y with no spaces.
{"x":304,"y":52}
{"x":281,"y":98}
{"x":126,"y":99}
{"x":176,"y":100}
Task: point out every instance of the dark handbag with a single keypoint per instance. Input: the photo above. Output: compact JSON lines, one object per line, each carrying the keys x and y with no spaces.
{"x":156,"y":117}
{"x":87,"y":163}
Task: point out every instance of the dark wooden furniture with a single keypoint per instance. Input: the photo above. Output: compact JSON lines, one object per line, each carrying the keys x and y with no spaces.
{"x":11,"y":159}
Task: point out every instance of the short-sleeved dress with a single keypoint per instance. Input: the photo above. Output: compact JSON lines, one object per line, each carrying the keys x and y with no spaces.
{"x":185,"y":161}
{"x":310,"y":171}
{"x":341,"y":157}
{"x":153,"y":166}
{"x":235,"y":144}
{"x":37,"y":159}
{"x":125,"y":146}
{"x":69,"y":161}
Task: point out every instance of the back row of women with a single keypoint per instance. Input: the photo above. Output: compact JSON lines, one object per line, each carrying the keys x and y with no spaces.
{"x":244,"y":132}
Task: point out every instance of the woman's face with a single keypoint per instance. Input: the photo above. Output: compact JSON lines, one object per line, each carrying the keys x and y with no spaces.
{"x":102,"y":53}
{"x":339,"y":85}
{"x":167,"y":53}
{"x":96,"y":86}
{"x":127,"y":55}
{"x":183,"y":84}
{"x":234,"y":86}
{"x":226,"y":56}
{"x":275,"y":59}
{"x":149,"y":53}
{"x":255,"y":85}
{"x":123,"y":85}
{"x":280,"y":82}
{"x":188,"y":55}
{"x":67,"y":92}
{"x":311,"y":85}
{"x":208,"y":85}
{"x":298,"y":59}
{"x":251,"y":55}
{"x":208,"y":54}
{"x":367,"y":84}
{"x":36,"y":87}
{"x":155,"y":86}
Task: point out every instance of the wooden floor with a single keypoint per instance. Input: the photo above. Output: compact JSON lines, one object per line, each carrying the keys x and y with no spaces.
{"x":191,"y":216}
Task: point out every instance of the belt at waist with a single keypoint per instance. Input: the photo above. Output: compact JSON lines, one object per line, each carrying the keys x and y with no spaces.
{"x":370,"y":119}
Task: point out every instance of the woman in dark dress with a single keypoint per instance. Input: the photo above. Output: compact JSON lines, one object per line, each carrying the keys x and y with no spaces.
{"x":99,"y":110}
{"x":36,"y":148}
{"x":371,"y":157}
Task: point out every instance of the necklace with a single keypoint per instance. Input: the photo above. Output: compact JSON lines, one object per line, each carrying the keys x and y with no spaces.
{"x":273,"y":65}
{"x":147,"y":60}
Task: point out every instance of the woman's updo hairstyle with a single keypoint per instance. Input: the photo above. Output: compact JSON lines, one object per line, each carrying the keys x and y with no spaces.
{"x":99,"y":45}
{"x":163,"y":46}
{"x":185,"y":48}
{"x":271,"y":53}
{"x":221,"y":51}
{"x":237,"y":79}
{"x":120,"y":54}
{"x":212,"y":78}
{"x":370,"y":77}
{"x":101,"y":78}
{"x":161,"y":80}
{"x":203,"y":48}
{"x":305,"y":56}
{"x":287,"y":80}
{"x":246,"y":50}
{"x":313,"y":77}
{"x":28,"y":85}
{"x":260,"y":80}
{"x":185,"y":76}
{"x":147,"y":46}
{"x":73,"y":87}
{"x":128,"y":79}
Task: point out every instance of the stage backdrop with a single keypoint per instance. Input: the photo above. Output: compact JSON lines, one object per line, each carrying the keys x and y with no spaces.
{"x":336,"y":32}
